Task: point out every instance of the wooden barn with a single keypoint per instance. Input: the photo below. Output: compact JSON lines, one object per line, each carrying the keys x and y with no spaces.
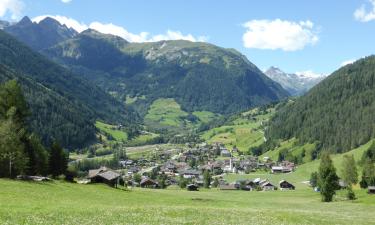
{"x":285,"y":185}
{"x":148,"y":183}
{"x":104,"y":175}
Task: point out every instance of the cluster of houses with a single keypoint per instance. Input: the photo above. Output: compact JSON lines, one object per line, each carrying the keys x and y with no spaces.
{"x":190,"y":164}
{"x":257,"y":185}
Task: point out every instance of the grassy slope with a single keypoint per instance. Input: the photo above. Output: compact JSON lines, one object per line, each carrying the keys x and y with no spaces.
{"x":166,"y":112}
{"x":63,"y":203}
{"x":243,"y":133}
{"x":118,"y":135}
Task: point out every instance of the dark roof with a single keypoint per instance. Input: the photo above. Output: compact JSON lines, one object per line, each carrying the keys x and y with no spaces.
{"x":148,"y":180}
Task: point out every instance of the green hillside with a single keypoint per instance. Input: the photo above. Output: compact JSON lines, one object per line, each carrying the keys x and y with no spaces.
{"x":338,"y":112}
{"x":244,"y":130}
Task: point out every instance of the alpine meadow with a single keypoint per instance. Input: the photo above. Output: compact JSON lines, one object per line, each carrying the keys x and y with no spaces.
{"x":187,"y":112}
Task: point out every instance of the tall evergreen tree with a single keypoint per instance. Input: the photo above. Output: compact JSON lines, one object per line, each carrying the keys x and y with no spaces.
{"x":349,"y":170}
{"x":328,"y":179}
{"x":58,"y":160}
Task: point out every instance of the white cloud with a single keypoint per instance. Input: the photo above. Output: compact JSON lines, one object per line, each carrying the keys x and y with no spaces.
{"x":113,"y":29}
{"x":13,"y":7}
{"x":364,"y":15}
{"x":66,"y":1}
{"x":279,"y":34}
{"x":347,"y":62}
{"x":177,"y":35}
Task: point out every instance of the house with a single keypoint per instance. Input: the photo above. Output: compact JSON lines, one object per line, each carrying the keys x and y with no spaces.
{"x":371,"y":190}
{"x":225,"y":153}
{"x":192,"y":187}
{"x":281,"y":169}
{"x":189,"y":174}
{"x":267,"y":186}
{"x":148,"y":183}
{"x":285,"y":185}
{"x":104,"y":175}
{"x":228,"y":187}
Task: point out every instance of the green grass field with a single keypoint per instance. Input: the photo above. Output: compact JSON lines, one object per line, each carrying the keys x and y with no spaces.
{"x":242,"y":133}
{"x":64,"y":203}
{"x":166,"y":112}
{"x":118,"y":135}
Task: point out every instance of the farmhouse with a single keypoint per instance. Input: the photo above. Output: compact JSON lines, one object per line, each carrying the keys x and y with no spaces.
{"x":189,"y":174}
{"x":285,"y":185}
{"x":225,"y":153}
{"x":148,"y":183}
{"x":104,"y":175}
{"x":281,"y":169}
{"x":371,"y":190}
{"x":267,"y":186}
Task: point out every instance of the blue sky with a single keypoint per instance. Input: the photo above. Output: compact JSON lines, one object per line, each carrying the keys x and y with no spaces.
{"x":294,"y":35}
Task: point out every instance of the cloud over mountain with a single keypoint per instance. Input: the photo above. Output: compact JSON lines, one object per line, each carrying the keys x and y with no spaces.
{"x":279,"y":34}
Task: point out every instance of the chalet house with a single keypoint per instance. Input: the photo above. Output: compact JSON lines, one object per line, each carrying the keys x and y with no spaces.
{"x":190,"y":174}
{"x":225,"y":153}
{"x":371,"y":190}
{"x":281,"y":169}
{"x":285,"y":185}
{"x":148,"y":183}
{"x":267,"y":186}
{"x":192,"y":187}
{"x":133,"y":170}
{"x":104,"y":175}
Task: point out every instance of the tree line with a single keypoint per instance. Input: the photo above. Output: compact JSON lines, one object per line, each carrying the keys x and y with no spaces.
{"x":21,"y":151}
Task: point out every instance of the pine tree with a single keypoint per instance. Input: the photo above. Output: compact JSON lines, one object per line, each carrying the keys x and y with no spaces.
{"x":349,"y":170}
{"x":58,"y":160}
{"x":328,"y":179}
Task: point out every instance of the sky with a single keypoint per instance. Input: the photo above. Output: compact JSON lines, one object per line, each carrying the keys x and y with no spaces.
{"x":317,"y":36}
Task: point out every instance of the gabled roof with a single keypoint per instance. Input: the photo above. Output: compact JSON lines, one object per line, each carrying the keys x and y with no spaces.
{"x":94,"y":173}
{"x":109,"y":175}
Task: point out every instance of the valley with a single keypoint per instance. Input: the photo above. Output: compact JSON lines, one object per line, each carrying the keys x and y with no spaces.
{"x":99,"y":125}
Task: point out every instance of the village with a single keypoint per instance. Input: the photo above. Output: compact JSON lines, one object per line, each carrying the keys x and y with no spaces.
{"x":192,"y":168}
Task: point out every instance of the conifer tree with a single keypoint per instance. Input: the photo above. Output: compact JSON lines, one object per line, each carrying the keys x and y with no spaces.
{"x":328,"y":179}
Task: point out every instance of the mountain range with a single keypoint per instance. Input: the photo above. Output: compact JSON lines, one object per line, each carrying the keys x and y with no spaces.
{"x":199,"y":76}
{"x":295,"y":83}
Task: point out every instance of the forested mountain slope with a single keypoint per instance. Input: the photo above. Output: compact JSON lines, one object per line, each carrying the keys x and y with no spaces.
{"x":64,"y":106}
{"x":338,"y":112}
